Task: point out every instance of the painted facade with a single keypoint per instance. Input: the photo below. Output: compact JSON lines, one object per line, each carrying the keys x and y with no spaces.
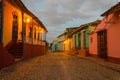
{"x":60,"y":40}
{"x":19,"y":27}
{"x":68,"y":39}
{"x":106,"y":34}
{"x":80,"y":42}
{"x":54,"y":45}
{"x":80,"y":38}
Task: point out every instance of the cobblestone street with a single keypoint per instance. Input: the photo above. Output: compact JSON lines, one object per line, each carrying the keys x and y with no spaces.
{"x":58,"y":66}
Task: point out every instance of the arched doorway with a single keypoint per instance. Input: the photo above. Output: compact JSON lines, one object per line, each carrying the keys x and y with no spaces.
{"x":15,"y":26}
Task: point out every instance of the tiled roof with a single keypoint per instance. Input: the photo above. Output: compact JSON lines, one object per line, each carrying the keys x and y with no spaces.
{"x":95,"y":23}
{"x":112,"y":9}
{"x":61,"y":34}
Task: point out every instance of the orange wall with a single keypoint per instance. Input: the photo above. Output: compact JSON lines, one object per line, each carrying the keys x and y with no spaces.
{"x":8,"y":18}
{"x":67,"y":44}
{"x":34,"y":25}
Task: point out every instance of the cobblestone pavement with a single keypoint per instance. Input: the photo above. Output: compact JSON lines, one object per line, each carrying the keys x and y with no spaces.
{"x":59,"y":66}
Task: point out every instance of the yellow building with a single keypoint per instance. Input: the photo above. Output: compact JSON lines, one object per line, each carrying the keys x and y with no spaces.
{"x":22,"y":34}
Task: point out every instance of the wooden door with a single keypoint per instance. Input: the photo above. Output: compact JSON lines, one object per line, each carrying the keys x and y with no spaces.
{"x":102,"y":43}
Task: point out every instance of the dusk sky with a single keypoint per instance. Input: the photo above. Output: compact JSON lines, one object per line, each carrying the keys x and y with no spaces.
{"x":57,"y":15}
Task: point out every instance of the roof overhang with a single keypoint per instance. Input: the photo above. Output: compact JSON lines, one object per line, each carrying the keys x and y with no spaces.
{"x":112,"y":10}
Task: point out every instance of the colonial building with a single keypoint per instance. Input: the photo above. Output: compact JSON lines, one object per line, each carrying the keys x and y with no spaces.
{"x":105,"y":41}
{"x":68,"y":40}
{"x":54,"y":45}
{"x":80,"y":38}
{"x":60,"y":40}
{"x":22,"y":34}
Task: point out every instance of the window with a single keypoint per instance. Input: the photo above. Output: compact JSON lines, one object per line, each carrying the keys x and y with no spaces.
{"x":30,"y":33}
{"x":91,"y":39}
{"x":38,"y":36}
{"x":35,"y":34}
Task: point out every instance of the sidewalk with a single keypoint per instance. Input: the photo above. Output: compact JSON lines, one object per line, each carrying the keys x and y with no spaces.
{"x":101,"y":62}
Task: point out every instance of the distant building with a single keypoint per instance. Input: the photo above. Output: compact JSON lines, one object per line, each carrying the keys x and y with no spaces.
{"x":68,"y":40}
{"x":80,"y":38}
{"x":60,"y":40}
{"x":54,"y":46}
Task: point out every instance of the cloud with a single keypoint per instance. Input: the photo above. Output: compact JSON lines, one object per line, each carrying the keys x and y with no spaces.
{"x":58,"y":14}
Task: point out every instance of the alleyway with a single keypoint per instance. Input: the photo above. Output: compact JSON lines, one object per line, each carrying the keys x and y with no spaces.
{"x":58,"y":66}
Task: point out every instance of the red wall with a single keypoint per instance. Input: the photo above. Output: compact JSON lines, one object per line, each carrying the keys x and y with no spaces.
{"x":5,"y":58}
{"x":33,"y":50}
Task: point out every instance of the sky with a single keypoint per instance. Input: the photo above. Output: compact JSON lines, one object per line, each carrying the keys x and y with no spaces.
{"x":57,"y":15}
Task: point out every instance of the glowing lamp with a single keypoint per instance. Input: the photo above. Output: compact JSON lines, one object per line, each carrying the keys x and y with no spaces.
{"x":28,"y":20}
{"x":41,"y":31}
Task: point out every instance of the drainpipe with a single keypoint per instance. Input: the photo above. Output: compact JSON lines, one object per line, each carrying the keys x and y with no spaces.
{"x":2,"y":21}
{"x":23,"y":36}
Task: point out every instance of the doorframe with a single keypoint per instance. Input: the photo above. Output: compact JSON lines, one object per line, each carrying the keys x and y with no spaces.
{"x":15,"y":26}
{"x":102,"y":43}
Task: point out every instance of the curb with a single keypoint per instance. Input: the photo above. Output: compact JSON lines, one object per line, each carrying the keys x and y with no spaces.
{"x":109,"y":65}
{"x":112,"y":66}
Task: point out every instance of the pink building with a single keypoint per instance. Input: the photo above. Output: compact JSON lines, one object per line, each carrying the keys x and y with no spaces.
{"x":105,"y":40}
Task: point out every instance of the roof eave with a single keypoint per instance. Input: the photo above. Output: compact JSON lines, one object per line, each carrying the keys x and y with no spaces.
{"x":111,"y":10}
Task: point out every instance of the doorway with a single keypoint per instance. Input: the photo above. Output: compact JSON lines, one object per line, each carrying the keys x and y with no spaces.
{"x":15,"y":27}
{"x":102,"y":43}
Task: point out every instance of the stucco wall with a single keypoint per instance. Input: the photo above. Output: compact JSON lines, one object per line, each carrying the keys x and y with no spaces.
{"x":112,"y":25}
{"x":113,"y":40}
{"x":73,"y":41}
{"x":5,"y":58}
{"x":61,"y":43}
{"x":8,"y":19}
{"x":93,"y":44}
{"x":82,"y":39}
{"x":33,"y":50}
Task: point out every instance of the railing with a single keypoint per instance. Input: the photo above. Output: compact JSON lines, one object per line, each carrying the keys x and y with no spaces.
{"x":34,"y":41}
{"x":28,"y":40}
